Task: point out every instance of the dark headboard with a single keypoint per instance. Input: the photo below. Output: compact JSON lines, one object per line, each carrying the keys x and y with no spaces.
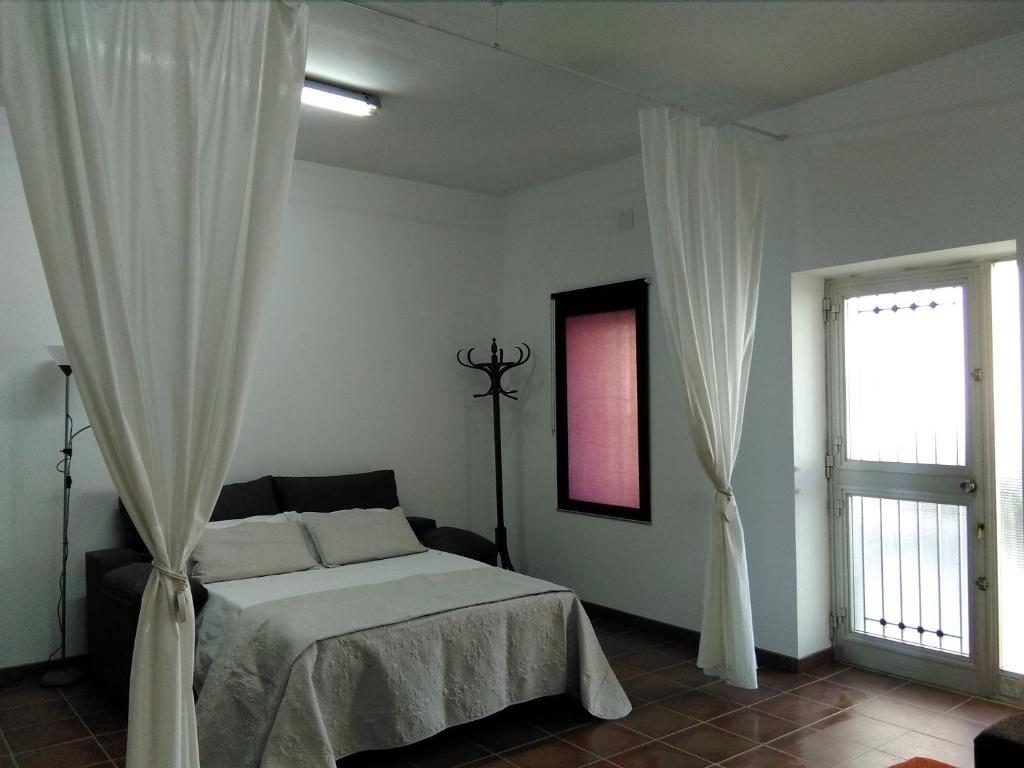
{"x":269,"y":495}
{"x":368,"y":490}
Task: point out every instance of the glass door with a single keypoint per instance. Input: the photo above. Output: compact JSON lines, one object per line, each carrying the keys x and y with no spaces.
{"x":908,"y":410}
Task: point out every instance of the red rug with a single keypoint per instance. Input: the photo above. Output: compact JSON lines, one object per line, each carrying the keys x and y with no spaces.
{"x":922,"y":762}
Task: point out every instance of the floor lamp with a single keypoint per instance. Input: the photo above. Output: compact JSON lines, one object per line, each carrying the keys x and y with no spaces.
{"x":63,"y":674}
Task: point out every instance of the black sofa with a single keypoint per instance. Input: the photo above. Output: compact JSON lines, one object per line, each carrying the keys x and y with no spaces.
{"x":1001,"y":744}
{"x":116,"y":578}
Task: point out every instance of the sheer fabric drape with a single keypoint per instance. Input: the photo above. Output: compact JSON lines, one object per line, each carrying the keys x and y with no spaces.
{"x":155,"y":143}
{"x":705,"y":200}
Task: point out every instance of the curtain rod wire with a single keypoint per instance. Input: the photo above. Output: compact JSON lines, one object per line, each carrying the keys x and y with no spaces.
{"x":496,"y":46}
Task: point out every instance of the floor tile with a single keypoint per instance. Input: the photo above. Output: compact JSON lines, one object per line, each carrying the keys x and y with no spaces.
{"x":872,"y":759}
{"x":19,"y":717}
{"x":648,"y":637}
{"x":826,"y":669}
{"x":652,"y":687}
{"x":819,"y":749}
{"x":394,"y":758}
{"x":503,"y":731}
{"x":755,"y":725}
{"x":550,"y":753}
{"x":782,"y":681}
{"x":796,"y":709}
{"x":685,"y":650}
{"x":490,"y":762}
{"x":636,"y":701}
{"x":912,"y":744}
{"x":935,"y":699}
{"x":710,"y":743}
{"x":765,"y":757}
{"x":828,"y":692}
{"x":858,"y":728}
{"x":688,"y":674}
{"x":699,"y":705}
{"x":93,"y":701}
{"x":867,"y":681}
{"x":742,"y":696}
{"x":658,"y":755}
{"x":656,"y":721}
{"x":955,"y":729}
{"x":894,"y":711}
{"x":26,"y":695}
{"x":73,"y":754}
{"x":622,"y":670}
{"x":6,"y":762}
{"x":617,"y":645}
{"x":38,"y":736}
{"x":555,"y":714}
{"x":652,"y":659}
{"x":107,"y":721}
{"x":604,"y":739}
{"x":115,"y":744}
{"x":446,"y":749}
{"x":981,"y":711}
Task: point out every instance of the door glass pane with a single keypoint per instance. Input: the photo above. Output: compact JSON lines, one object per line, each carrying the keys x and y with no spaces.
{"x":905,"y":377}
{"x":909,"y":572}
{"x":1009,"y":523}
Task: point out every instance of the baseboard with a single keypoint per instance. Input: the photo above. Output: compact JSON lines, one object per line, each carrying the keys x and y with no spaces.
{"x":30,"y":673}
{"x":768,"y":659}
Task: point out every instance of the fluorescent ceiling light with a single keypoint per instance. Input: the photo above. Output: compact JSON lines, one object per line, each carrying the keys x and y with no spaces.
{"x":338,"y":99}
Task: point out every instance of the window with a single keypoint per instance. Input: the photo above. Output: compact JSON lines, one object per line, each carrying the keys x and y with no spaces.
{"x":602,"y":400}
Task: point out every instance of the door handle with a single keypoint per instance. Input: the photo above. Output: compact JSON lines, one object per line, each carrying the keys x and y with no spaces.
{"x":968,"y":486}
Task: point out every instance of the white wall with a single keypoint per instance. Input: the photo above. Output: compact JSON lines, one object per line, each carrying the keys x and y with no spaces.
{"x":379,"y":282}
{"x":560,"y":236}
{"x":937,"y":163}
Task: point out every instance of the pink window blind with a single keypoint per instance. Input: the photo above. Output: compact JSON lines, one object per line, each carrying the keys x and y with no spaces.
{"x":602,"y":408}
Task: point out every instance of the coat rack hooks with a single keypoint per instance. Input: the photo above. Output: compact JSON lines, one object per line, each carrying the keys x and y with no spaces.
{"x":495,"y":369}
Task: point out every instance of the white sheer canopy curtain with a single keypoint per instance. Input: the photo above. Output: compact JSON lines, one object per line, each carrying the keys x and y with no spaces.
{"x":155,"y":144}
{"x":705,"y":201}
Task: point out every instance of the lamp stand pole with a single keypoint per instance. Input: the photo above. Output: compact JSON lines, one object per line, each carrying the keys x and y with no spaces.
{"x":63,"y":674}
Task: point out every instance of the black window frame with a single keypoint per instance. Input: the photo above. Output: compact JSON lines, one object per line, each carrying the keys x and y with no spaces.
{"x":631,"y":294}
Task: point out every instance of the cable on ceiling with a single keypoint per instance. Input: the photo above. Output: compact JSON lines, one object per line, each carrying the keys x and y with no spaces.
{"x":495,"y":45}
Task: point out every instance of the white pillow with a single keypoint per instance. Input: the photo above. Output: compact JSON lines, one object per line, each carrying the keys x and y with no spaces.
{"x":281,"y":517}
{"x":249,"y":549}
{"x":359,"y":535}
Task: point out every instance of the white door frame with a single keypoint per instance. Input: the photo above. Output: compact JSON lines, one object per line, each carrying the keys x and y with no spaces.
{"x":934,"y":483}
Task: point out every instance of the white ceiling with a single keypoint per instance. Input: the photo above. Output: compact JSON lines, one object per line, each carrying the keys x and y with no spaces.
{"x":468,"y":116}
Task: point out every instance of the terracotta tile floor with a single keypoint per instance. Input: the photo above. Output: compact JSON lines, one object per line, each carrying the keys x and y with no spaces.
{"x":832,"y":716}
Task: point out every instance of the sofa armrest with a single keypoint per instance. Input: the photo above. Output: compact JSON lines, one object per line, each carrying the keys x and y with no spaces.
{"x":421,"y":526}
{"x":102,"y":561}
{"x":458,"y":541}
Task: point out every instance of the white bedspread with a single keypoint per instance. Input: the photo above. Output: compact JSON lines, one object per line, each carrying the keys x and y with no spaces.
{"x":229,"y":598}
{"x":294,"y":679}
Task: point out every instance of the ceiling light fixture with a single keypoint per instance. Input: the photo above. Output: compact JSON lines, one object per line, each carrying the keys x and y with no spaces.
{"x":338,"y":99}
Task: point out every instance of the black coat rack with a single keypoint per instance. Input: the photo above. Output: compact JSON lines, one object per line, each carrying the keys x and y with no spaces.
{"x":495,"y":369}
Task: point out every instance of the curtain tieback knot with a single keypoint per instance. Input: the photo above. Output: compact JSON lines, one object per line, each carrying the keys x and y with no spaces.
{"x":730,"y":511}
{"x":180,"y":585}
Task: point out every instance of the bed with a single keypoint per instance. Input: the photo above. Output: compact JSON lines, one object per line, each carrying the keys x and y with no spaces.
{"x":303,"y":668}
